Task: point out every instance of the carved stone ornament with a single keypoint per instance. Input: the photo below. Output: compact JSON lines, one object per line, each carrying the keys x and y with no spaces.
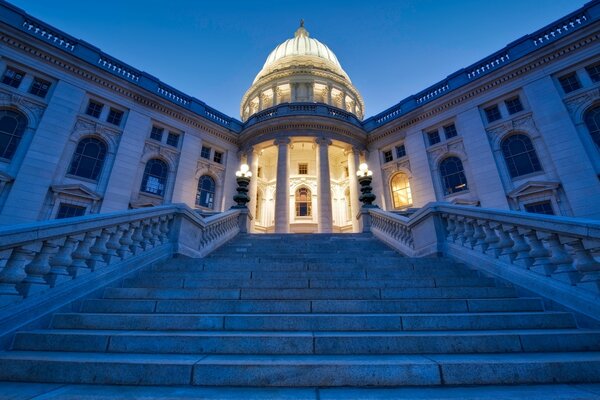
{"x":575,"y":103}
{"x":152,"y":148}
{"x":206,"y":167}
{"x":34,"y":109}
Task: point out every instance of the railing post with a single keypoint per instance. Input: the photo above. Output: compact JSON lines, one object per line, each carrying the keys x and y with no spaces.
{"x":35,"y":281}
{"x":13,"y":273}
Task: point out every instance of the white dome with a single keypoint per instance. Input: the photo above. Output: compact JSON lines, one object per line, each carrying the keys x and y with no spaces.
{"x":302,"y":45}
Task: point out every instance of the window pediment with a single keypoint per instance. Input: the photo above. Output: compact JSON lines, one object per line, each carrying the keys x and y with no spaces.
{"x":76,"y":190}
{"x":530,"y":188}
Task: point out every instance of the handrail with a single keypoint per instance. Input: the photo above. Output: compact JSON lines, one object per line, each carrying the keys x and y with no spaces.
{"x":39,"y":256}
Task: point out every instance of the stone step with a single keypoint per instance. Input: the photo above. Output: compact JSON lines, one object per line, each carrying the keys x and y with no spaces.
{"x":244,"y":342}
{"x":300,"y":370}
{"x":308,"y":306}
{"x":315,"y":322}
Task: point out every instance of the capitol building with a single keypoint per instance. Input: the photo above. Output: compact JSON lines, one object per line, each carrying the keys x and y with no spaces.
{"x":84,"y":133}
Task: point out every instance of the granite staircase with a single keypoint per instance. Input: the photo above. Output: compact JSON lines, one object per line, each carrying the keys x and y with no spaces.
{"x":307,"y":310}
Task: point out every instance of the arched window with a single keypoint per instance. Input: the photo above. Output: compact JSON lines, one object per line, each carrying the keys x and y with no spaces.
{"x":453,"y":175}
{"x":12,"y":127}
{"x":155,"y":177}
{"x":401,"y":194}
{"x":303,"y":203}
{"x":592,"y":121}
{"x":88,"y":158}
{"x":205,"y":195}
{"x":519,"y":155}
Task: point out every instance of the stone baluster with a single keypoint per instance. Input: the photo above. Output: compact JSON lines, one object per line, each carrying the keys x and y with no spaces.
{"x":491,"y":240}
{"x":36,"y":270}
{"x":99,"y":250}
{"x":113,"y":245}
{"x":62,"y":260}
{"x":82,"y":254}
{"x":537,"y":255}
{"x":148,"y":236}
{"x":164,"y":228}
{"x":479,"y":236}
{"x":459,"y":231}
{"x":156,"y":233}
{"x":467,"y":237}
{"x":13,"y":273}
{"x":124,"y":250}
{"x":137,"y":238}
{"x":546,"y":262}
{"x":562,"y":262}
{"x":520,"y":248}
{"x":584,"y":262}
{"x":450,"y":226}
{"x":505,"y":244}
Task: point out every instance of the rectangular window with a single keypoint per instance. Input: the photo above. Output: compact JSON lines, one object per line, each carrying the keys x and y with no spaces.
{"x":218,"y":157}
{"x":114,"y":117}
{"x":400,"y":151}
{"x":450,"y":131}
{"x":66,"y":210}
{"x":205,"y":152}
{"x":569,"y":82}
{"x":173,"y":139}
{"x":541,"y":207}
{"x":513,"y":105}
{"x":594,"y":72}
{"x":94,"y":109}
{"x":259,"y":172}
{"x":433,"y":137}
{"x":156,"y":133}
{"x":492,"y":113}
{"x":39,"y":87}
{"x":387,"y":156}
{"x":302,"y":169}
{"x":12,"y":77}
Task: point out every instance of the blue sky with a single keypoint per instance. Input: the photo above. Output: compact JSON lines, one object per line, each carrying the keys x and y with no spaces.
{"x":213,"y":49}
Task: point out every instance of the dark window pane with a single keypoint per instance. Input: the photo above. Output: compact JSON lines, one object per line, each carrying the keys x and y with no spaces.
{"x":302,"y":169}
{"x":514,"y":105}
{"x":569,"y":82}
{"x":400,"y":151}
{"x":218,"y":157}
{"x":450,"y":131}
{"x":66,"y":210}
{"x":155,"y":177}
{"x":156,"y":133}
{"x":387,"y":156}
{"x":114,"y":117}
{"x":303,"y":202}
{"x":39,"y":87}
{"x":433,"y":137}
{"x":12,"y":77}
{"x":594,"y":72}
{"x":542,"y":207}
{"x":12,"y":127}
{"x":173,"y":139}
{"x":88,"y":158}
{"x":205,"y":195}
{"x":94,"y":109}
{"x":453,"y":175}
{"x":520,"y":155}
{"x":592,"y":122}
{"x":492,"y":113}
{"x":205,"y":153}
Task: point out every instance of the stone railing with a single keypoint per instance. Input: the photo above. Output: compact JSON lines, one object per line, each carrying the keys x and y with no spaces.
{"x":40,"y":257}
{"x":313,"y":109}
{"x":556,"y":257}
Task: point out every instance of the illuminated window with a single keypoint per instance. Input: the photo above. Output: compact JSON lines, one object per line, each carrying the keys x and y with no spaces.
{"x":302,"y":169}
{"x":205,"y":195}
{"x":401,"y":193}
{"x":155,"y":177}
{"x":453,"y":175}
{"x":303,"y":203}
{"x":520,"y":155}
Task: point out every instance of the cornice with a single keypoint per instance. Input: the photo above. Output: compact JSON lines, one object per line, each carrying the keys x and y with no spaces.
{"x":442,"y":104}
{"x":110,"y":84}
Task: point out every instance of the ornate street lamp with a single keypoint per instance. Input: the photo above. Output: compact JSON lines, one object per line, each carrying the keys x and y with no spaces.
{"x":364,"y":178}
{"x":243,"y":179}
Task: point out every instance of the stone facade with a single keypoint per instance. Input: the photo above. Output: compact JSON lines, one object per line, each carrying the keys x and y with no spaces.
{"x":518,"y":130}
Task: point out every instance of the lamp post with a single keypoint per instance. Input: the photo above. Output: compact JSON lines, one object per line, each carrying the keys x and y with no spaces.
{"x":243,"y":179}
{"x":365,"y":176}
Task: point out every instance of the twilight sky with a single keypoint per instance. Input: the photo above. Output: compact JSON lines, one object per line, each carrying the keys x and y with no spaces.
{"x":213,"y":49}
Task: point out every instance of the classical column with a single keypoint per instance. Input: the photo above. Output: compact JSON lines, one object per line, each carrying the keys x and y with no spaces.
{"x":329,"y":89}
{"x":282,"y":195}
{"x":274,"y":88}
{"x":352,"y":154}
{"x":324,"y":186}
{"x":252,"y":161}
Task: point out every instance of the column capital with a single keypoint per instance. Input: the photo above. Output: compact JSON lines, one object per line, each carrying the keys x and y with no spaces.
{"x":351,"y":150}
{"x":281,"y":141}
{"x":322,"y":141}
